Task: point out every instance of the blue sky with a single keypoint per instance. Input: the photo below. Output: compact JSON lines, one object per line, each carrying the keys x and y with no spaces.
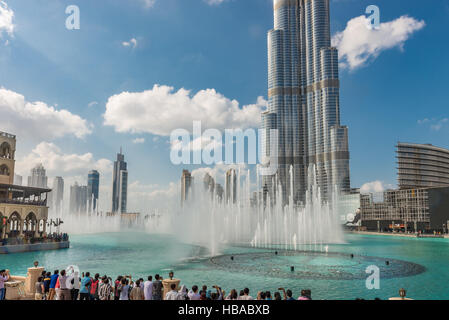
{"x":398,"y":94}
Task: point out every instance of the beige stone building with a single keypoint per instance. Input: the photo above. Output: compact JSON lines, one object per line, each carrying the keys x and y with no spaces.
{"x":23,"y":210}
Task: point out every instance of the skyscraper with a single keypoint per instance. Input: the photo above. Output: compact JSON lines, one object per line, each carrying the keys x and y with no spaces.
{"x":186,"y":185}
{"x":120,"y":184}
{"x":38,"y":177}
{"x":303,"y":92}
{"x":78,"y":199}
{"x":57,"y":194}
{"x":93,"y":185}
{"x":231,"y":186}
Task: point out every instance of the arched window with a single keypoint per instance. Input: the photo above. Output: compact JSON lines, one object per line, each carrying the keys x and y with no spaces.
{"x":30,"y":223}
{"x":4,"y":170}
{"x":41,"y":225}
{"x":5,"y":150}
{"x":14,"y":224}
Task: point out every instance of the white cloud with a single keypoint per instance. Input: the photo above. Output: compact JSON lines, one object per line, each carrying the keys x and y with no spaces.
{"x":152,"y":196}
{"x":6,"y":19}
{"x":131,"y":43}
{"x":434,"y":124}
{"x":200,"y":143}
{"x":139,"y":140}
{"x":148,"y":3}
{"x":37,"y":120}
{"x":58,"y":163}
{"x":214,"y":2}
{"x":359,"y":44}
{"x":161,"y":110}
{"x":375,"y":187}
{"x":92,"y":104}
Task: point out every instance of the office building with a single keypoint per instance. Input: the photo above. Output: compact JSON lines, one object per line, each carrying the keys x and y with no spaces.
{"x":120,"y":184}
{"x":93,"y":187}
{"x":38,"y":177}
{"x":186,"y":186}
{"x":422,"y":166}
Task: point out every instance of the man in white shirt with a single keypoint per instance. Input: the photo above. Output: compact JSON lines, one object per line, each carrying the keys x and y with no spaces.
{"x":193,"y":294}
{"x":173,"y":294}
{"x":148,"y":288}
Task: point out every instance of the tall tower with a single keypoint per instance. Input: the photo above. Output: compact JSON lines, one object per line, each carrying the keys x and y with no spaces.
{"x":93,"y":185}
{"x":120,"y":184}
{"x":303,"y":92}
{"x":57,"y":194}
{"x":38,"y":177}
{"x":7,"y":162}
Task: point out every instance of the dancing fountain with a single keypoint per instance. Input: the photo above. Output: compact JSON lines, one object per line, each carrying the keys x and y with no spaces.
{"x":211,"y":221}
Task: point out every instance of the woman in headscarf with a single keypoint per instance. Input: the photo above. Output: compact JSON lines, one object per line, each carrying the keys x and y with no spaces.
{"x":182,"y":293}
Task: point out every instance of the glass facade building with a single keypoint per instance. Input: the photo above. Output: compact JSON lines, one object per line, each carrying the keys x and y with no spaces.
{"x":120,"y":184}
{"x":422,"y":166}
{"x":93,"y":186}
{"x":303,"y":92}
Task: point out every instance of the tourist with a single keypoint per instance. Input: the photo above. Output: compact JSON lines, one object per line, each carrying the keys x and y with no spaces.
{"x":219,"y":294}
{"x":105,"y":290}
{"x":172,"y":294}
{"x":193,"y":294}
{"x":40,"y":289}
{"x":148,"y":288}
{"x":93,"y":293}
{"x":4,"y":276}
{"x":85,"y":287}
{"x":241,"y":294}
{"x":53,"y":280}
{"x":182,"y":293}
{"x":277,"y":296}
{"x":47,"y":280}
{"x":117,"y":285}
{"x":246,"y":295}
{"x":157,"y":288}
{"x":261,"y":295}
{"x":75,"y":282}
{"x":288,"y":295}
{"x":64,"y":291}
{"x":137,"y":292}
{"x":305,"y":295}
{"x":124,"y":289}
{"x":232,"y":295}
{"x":268,"y":295}
{"x":203,"y":296}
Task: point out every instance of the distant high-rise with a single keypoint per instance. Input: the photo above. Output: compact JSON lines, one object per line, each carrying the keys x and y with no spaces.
{"x":18,"y":180}
{"x":231,"y":186}
{"x":78,"y":199}
{"x":38,"y":177}
{"x":303,"y":100}
{"x":57,"y":194}
{"x":120,"y":184}
{"x":93,"y":185}
{"x":186,"y":185}
{"x":422,"y":166}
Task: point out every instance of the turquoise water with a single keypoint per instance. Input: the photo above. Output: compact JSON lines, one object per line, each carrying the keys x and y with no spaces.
{"x":331,"y":276}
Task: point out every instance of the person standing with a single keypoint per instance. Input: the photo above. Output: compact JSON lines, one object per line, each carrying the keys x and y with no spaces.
{"x":47,"y":280}
{"x":105,"y":290}
{"x":4,"y":276}
{"x":117,"y":287}
{"x":193,"y":294}
{"x":157,"y":288}
{"x":94,"y":288}
{"x":124,"y":289}
{"x":148,"y":288}
{"x":85,"y":287}
{"x":40,"y":289}
{"x":64,"y":291}
{"x":137,"y":292}
{"x":173,"y":294}
{"x":246,"y":295}
{"x":53,"y":280}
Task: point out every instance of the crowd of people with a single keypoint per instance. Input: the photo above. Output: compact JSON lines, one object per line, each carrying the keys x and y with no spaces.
{"x":61,"y":286}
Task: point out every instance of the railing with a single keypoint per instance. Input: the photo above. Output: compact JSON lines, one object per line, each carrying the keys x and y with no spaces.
{"x":40,"y":203}
{"x":7,"y":135}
